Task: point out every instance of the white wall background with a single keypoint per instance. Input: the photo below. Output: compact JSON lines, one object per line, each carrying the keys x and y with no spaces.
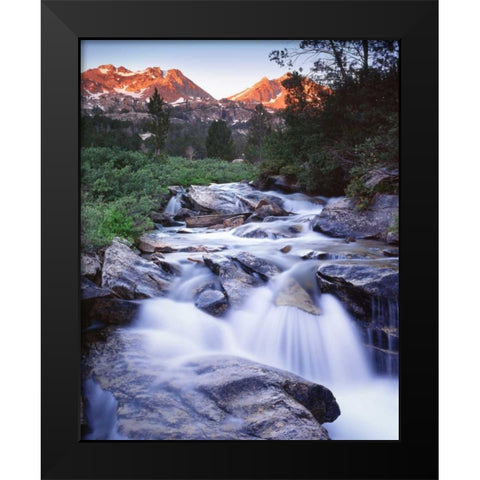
{"x":20,"y":240}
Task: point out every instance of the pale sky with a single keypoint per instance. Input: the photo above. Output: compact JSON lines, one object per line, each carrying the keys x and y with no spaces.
{"x":220,"y":67}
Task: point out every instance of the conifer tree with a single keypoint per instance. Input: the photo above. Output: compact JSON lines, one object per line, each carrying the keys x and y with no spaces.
{"x":259,"y":128}
{"x":219,"y":142}
{"x":160,"y":121}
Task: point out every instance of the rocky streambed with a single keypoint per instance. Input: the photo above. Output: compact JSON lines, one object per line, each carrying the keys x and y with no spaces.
{"x":245,"y":315}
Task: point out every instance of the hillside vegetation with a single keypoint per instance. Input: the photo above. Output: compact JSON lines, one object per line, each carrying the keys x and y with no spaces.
{"x":120,"y":188}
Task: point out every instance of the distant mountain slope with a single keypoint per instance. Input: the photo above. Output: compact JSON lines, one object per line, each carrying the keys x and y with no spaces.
{"x":172,"y":85}
{"x":271,"y":93}
{"x":268,"y":92}
{"x":122,"y":94}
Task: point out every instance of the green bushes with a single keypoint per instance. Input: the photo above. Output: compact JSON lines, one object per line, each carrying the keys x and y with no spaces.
{"x":119,"y":189}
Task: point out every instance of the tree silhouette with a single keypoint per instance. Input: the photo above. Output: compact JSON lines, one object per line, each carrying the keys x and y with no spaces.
{"x":259,"y":128}
{"x":160,"y":121}
{"x":219,"y":143}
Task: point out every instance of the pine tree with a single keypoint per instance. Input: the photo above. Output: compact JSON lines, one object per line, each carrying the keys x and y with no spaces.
{"x":219,"y":143}
{"x":160,"y":121}
{"x":259,"y":128}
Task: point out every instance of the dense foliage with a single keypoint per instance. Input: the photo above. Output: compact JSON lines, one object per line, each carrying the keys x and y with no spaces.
{"x":336,"y":135}
{"x":119,"y":188}
{"x":100,"y":131}
{"x":219,"y":143}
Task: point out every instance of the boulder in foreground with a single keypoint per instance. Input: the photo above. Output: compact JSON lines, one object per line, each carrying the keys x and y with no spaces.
{"x":357,"y":285}
{"x":130,"y":276}
{"x":208,"y":398}
{"x":343,"y":219}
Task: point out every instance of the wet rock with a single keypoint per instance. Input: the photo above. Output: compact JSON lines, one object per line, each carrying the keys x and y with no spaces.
{"x":254,"y":219}
{"x":154,"y":257}
{"x":251,"y":203}
{"x":163,"y":219}
{"x":252,"y":233}
{"x":185,"y":230}
{"x":274,"y":219}
{"x":234,"y":222}
{"x":358,"y":285}
{"x":343,"y":219}
{"x":91,"y":266}
{"x":130,"y":276}
{"x":175,"y":189}
{"x":208,"y":285}
{"x":213,"y":302}
{"x":256,"y":265}
{"x":312,"y":255}
{"x":89,"y":290}
{"x":211,"y":220}
{"x":267,"y":208}
{"x":99,"y":306}
{"x":292,"y":294}
{"x":295,"y":228}
{"x":149,"y":243}
{"x":286,"y":249}
{"x":208,"y":398}
{"x":392,"y":238}
{"x":214,"y":200}
{"x":184,"y":213}
{"x":202,"y":248}
{"x":109,"y":311}
{"x":264,"y":231}
{"x":391,"y":252}
{"x":234,"y":280}
{"x":169,"y":267}
{"x":281,"y":183}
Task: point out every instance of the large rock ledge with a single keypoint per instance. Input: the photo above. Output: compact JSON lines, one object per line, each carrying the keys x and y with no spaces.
{"x":359,"y":284}
{"x":209,"y":398}
{"x":343,"y":219}
{"x":129,"y":276}
{"x":124,"y":277}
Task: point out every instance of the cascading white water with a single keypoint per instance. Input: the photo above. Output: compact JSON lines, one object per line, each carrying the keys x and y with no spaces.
{"x":322,"y":348}
{"x":312,"y":346}
{"x":174,"y":204}
{"x":101,"y":413}
{"x":325,"y":348}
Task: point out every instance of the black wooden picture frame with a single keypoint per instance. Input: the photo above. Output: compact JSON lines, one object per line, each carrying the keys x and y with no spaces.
{"x":415,"y":24}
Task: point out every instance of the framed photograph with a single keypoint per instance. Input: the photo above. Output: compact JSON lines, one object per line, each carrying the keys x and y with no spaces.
{"x":239,"y":239}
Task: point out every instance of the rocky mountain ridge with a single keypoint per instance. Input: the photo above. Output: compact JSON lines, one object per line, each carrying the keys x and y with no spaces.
{"x":122,"y":94}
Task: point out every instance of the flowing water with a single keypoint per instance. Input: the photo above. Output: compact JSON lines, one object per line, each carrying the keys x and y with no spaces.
{"x":327,"y":348}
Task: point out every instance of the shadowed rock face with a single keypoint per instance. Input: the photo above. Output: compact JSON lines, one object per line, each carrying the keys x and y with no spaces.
{"x":214,"y":397}
{"x":213,"y":302}
{"x":91,"y":266}
{"x":257,"y":265}
{"x":234,"y":280}
{"x":356,"y":284}
{"x":129,"y":276}
{"x":99,"y":306}
{"x":342,"y":219}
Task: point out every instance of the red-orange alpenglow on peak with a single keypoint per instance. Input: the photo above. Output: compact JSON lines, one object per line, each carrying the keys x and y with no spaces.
{"x":172,"y":85}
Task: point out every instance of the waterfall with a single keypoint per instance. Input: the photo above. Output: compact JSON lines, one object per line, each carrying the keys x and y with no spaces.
{"x":312,"y":346}
{"x":100,"y":412}
{"x":328,"y":348}
{"x":382,"y":335}
{"x":174,"y":204}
